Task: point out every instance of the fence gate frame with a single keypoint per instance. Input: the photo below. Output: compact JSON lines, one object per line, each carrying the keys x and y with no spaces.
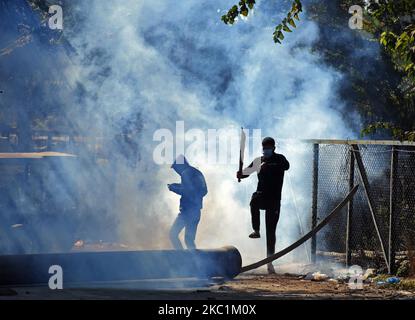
{"x":388,"y":249}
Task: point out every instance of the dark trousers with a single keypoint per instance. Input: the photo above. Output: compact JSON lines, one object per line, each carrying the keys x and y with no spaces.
{"x":272,"y":215}
{"x":189,"y":222}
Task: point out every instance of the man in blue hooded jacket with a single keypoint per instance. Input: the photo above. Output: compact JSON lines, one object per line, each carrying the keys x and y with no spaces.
{"x":192,"y":190}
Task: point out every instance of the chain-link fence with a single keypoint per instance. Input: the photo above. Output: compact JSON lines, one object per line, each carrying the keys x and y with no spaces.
{"x":378,"y":227}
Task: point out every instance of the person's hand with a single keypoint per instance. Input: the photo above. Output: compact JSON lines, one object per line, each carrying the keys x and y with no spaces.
{"x":239,"y":175}
{"x":174,"y":187}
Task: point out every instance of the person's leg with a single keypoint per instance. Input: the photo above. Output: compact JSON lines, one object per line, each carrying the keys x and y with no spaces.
{"x":175,"y":230}
{"x":271,"y":220}
{"x":190,"y":232}
{"x":272,"y":216}
{"x":255,"y":213}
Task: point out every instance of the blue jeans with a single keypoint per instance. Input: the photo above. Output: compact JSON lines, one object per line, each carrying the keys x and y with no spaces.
{"x":189,"y":222}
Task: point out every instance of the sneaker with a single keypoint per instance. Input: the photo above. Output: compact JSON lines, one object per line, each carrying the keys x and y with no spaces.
{"x":255,"y":235}
{"x":270,"y":268}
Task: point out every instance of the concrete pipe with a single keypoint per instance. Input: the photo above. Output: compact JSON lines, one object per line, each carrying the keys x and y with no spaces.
{"x":120,"y":266}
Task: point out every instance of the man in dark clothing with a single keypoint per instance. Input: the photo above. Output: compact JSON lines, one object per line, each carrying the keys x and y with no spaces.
{"x":192,"y":189}
{"x":270,"y":168}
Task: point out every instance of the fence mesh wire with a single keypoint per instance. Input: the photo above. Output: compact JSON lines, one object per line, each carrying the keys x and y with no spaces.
{"x":405,"y":199}
{"x":333,"y":183}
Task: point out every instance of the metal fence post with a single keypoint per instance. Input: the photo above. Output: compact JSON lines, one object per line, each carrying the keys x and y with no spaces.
{"x":350,"y":210}
{"x":316,"y":152}
{"x":370,"y":202}
{"x":392,"y":213}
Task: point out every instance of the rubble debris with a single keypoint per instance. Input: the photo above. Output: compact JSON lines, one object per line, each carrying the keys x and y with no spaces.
{"x":393,"y":280}
{"x":343,"y":278}
{"x":388,"y":281}
{"x":88,"y":245}
{"x":317,"y":276}
{"x":79,"y":244}
{"x":308,"y":276}
{"x":338,"y":276}
{"x":370,"y":273}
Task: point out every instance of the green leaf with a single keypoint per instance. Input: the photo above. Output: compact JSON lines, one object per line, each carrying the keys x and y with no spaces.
{"x":250,"y":4}
{"x":244,"y":11}
{"x":286,"y":29}
{"x":409,"y":67}
{"x":279,"y":35}
{"x":286,"y":23}
{"x":411,"y":136}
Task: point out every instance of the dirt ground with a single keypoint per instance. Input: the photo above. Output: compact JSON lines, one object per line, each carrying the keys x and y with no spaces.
{"x":292,"y":287}
{"x":251,"y":286}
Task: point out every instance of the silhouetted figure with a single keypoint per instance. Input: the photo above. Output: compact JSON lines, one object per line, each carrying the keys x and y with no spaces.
{"x":270,"y":168}
{"x":192,"y":189}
